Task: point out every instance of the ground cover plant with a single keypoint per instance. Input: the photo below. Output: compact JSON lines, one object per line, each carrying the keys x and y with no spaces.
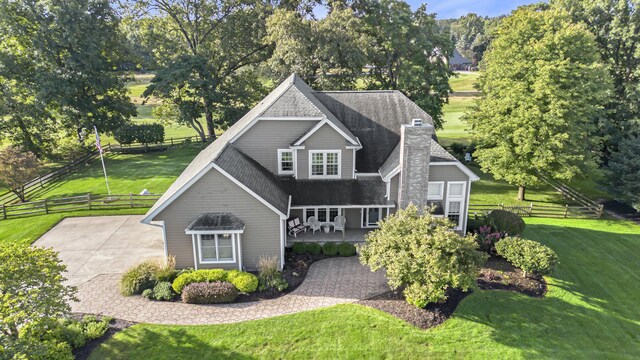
{"x":590,"y":310}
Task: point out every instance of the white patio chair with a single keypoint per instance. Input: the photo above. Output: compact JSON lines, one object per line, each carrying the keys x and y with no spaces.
{"x":295,"y":227}
{"x":314,"y":224}
{"x":339,"y":223}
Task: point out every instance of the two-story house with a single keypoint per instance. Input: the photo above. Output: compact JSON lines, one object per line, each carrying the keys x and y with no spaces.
{"x":301,"y":153}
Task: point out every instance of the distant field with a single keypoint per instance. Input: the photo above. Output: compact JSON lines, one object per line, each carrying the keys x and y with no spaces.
{"x":454,"y":129}
{"x":464,"y":81}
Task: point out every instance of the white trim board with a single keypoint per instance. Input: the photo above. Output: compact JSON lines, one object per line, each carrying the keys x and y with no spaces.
{"x":319,"y":125}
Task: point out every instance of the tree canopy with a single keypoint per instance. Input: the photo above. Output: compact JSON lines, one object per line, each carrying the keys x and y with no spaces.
{"x":543,"y":90}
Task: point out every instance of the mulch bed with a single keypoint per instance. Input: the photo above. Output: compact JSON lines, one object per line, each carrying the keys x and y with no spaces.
{"x":115,"y":326}
{"x":295,"y":270}
{"x":496,"y":274}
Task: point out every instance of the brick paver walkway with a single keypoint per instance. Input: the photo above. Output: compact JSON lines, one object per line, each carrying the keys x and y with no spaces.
{"x":329,"y":282}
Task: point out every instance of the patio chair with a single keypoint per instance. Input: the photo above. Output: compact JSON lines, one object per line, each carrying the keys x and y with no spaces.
{"x":295,"y":227}
{"x":314,"y":224}
{"x":339,"y":223}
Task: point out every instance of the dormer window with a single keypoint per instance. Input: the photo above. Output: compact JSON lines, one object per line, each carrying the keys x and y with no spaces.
{"x":285,"y":162}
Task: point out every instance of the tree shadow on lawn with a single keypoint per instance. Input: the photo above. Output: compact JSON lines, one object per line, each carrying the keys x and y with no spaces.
{"x":168,"y":344}
{"x":592,"y":304}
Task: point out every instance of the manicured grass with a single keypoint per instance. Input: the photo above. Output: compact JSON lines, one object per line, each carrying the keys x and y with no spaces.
{"x":487,"y":190}
{"x":29,"y":229}
{"x":464,"y":81}
{"x":591,"y":310}
{"x":128,"y":173}
{"x":454,"y":129}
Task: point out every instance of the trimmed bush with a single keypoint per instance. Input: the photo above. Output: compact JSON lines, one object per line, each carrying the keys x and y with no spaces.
{"x":346,"y":249}
{"x":313,"y":248}
{"x":330,"y":249}
{"x":506,"y":222}
{"x":299,"y":248}
{"x":209,"y":275}
{"x":143,"y":133}
{"x":209,"y":293}
{"x":147,"y":294}
{"x":138,"y":278}
{"x":243,"y":281}
{"x":530,"y":256}
{"x":162,"y":291}
{"x":475,"y":223}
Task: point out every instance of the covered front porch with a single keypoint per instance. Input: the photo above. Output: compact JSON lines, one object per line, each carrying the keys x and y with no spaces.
{"x":349,"y":235}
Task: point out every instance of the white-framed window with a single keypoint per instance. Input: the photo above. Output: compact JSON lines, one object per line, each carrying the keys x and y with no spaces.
{"x":286,"y":162}
{"x":217,"y":248}
{"x":324,"y":164}
{"x":435,"y":190}
{"x":455,"y":200}
{"x":372,"y":215}
{"x":323,"y":214}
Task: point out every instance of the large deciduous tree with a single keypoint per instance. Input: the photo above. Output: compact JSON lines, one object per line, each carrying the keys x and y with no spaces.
{"x":406,"y":53}
{"x":63,"y":55}
{"x":542,"y":90}
{"x":218,"y":38}
{"x":17,"y":167}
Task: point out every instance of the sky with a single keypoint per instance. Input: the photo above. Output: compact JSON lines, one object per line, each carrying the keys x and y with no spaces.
{"x":447,"y":9}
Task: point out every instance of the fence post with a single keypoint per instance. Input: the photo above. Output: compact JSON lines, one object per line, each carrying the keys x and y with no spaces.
{"x":566,"y":210}
{"x":171,"y":141}
{"x":131,"y":199}
{"x":89,"y":200}
{"x":4,"y":212}
{"x":40,"y":179}
{"x":601,"y":210}
{"x":46,"y":209}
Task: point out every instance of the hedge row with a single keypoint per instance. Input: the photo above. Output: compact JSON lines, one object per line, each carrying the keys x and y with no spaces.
{"x":143,"y":134}
{"x":329,"y":248}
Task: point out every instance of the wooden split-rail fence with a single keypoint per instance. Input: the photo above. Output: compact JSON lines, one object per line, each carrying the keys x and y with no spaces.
{"x":74,"y":203}
{"x":535,"y":210}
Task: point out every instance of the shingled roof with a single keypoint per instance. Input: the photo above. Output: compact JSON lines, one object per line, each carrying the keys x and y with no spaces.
{"x":363,"y":191}
{"x":375,"y":117}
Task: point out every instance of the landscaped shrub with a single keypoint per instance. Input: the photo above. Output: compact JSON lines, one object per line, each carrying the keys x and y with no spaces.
{"x":147,"y":294}
{"x":506,"y":222}
{"x":313,"y":248}
{"x":243,"y":281}
{"x":346,"y":249}
{"x":72,"y":332}
{"x":487,"y":239}
{"x":268,"y":274}
{"x":165,"y":270}
{"x":163,"y":291}
{"x":143,"y":133}
{"x":475,"y":223}
{"x":209,"y":293}
{"x":208,"y":275}
{"x":421,"y":253}
{"x":299,"y":248}
{"x":530,"y":256}
{"x":330,"y":249}
{"x":138,"y":278}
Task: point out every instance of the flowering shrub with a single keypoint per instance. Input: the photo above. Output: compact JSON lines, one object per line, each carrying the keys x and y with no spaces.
{"x":209,"y":293}
{"x":487,"y":239}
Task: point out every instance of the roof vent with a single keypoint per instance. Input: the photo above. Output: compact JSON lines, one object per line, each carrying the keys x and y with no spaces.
{"x":416,"y":122}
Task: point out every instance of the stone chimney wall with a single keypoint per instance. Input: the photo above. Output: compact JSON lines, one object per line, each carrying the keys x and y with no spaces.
{"x":415,"y":153}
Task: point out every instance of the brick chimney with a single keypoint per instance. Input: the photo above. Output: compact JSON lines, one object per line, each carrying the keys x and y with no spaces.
{"x":415,"y":153}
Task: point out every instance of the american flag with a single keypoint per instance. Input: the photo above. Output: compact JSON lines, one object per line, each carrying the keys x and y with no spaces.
{"x":98,"y":145}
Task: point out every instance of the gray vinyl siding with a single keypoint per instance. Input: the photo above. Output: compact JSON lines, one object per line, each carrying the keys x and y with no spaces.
{"x":393,"y":193}
{"x":214,"y":192}
{"x":326,"y":138}
{"x":262,"y":141}
{"x":448,"y":173}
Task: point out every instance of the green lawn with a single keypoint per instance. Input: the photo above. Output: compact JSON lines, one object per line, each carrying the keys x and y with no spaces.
{"x":464,"y":81}
{"x":487,"y":190}
{"x":128,"y":173}
{"x":454,"y":129}
{"x":590,"y":311}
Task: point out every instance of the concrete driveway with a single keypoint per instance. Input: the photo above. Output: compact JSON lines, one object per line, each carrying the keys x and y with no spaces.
{"x":92,"y":246}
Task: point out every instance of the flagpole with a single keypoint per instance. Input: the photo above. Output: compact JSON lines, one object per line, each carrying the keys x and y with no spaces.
{"x":104,"y":168}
